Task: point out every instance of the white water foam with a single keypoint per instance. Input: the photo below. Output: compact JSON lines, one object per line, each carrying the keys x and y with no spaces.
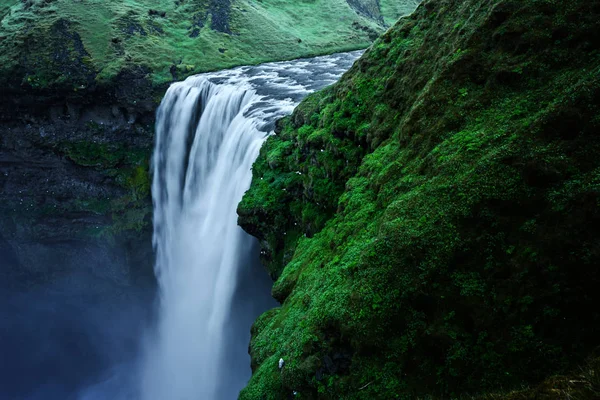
{"x":209,"y":132}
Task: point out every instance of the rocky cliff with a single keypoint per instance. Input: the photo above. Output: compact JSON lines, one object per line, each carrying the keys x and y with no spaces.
{"x":432,"y":220}
{"x":74,"y":190}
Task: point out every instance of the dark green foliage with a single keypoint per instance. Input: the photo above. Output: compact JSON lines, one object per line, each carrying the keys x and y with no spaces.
{"x":433,"y":219}
{"x":61,"y":59}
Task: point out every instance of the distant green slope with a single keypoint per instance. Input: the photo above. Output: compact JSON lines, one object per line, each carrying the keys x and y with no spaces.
{"x":78,"y":43}
{"x":390,"y":9}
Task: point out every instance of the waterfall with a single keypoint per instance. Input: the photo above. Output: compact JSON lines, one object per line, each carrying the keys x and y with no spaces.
{"x":209,"y":131}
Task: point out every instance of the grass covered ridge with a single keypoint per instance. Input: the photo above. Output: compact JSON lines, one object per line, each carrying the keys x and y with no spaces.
{"x":80,"y":43}
{"x":432,"y":220}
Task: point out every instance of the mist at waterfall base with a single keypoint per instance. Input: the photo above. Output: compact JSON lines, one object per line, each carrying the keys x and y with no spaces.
{"x":79,"y":337}
{"x":70,"y":328}
{"x":84,"y":337}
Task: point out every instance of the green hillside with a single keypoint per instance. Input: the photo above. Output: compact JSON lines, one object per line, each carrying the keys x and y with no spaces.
{"x":432,"y":220}
{"x":81,"y":43}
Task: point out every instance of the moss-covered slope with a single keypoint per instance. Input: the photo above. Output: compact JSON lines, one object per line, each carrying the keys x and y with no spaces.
{"x":78,"y":44}
{"x":432,"y":220}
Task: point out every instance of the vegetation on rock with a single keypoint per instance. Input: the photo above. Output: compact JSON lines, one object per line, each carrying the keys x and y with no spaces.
{"x":68,"y":181}
{"x":129,"y":169}
{"x":432,"y":220}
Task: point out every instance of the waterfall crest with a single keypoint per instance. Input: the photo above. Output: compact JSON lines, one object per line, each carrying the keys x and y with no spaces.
{"x":201,"y":172}
{"x":209,"y":132}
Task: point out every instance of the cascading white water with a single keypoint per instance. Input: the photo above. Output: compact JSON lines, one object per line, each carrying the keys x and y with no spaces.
{"x":209,"y":132}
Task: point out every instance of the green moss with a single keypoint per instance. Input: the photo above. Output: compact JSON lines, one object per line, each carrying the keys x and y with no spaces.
{"x":90,"y":154}
{"x":582,"y":385}
{"x":445,"y":199}
{"x":138,"y":180}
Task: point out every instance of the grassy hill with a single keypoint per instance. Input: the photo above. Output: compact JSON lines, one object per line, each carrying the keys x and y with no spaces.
{"x":77,"y":44}
{"x":432,"y":220}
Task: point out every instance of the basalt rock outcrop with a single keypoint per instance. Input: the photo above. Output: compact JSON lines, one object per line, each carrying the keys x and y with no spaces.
{"x":74,"y":190}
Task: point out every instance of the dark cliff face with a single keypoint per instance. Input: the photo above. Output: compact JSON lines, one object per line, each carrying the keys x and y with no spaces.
{"x":432,"y":220}
{"x":75,"y":184}
{"x":76,"y":260}
{"x":74,"y":161}
{"x":369,"y":8}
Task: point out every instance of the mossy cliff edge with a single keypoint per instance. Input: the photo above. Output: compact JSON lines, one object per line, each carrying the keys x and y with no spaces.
{"x":432,"y":220}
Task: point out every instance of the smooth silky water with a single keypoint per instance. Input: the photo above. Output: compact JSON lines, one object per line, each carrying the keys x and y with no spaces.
{"x":209,"y":132}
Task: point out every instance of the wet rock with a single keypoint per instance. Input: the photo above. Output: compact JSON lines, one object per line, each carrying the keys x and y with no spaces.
{"x":62,"y":55}
{"x":130,"y":25}
{"x":329,"y":364}
{"x":157,"y":13}
{"x":155,"y":28}
{"x":219,"y":10}
{"x":368,"y":8}
{"x":59,"y":203}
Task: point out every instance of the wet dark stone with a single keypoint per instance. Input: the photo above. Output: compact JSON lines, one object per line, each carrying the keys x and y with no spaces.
{"x":63,"y":54}
{"x":155,"y":28}
{"x":362,"y":9}
{"x":330,"y":365}
{"x":130,"y":25}
{"x":158,"y":13}
{"x":219,"y":10}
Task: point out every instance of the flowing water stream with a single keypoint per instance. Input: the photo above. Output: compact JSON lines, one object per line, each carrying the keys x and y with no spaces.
{"x":210,"y":129}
